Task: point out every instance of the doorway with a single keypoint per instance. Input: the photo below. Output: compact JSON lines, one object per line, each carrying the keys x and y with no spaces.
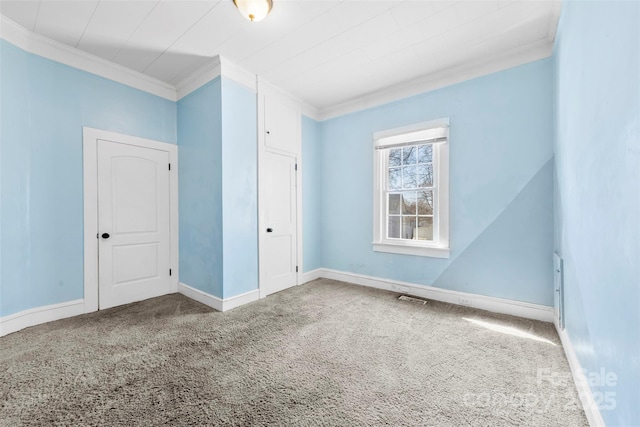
{"x":130,"y":189}
{"x":279,"y":188}
{"x":280,"y":251}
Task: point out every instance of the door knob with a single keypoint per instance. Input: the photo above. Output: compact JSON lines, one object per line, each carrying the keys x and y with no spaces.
{"x":105,"y":235}
{"x":269,"y":230}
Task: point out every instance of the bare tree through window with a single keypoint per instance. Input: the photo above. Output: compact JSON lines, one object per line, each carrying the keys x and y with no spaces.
{"x":410,"y":191}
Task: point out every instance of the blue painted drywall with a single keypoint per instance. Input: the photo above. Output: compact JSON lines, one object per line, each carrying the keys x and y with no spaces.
{"x":218,"y":189}
{"x":311,"y":175}
{"x":597,"y":209}
{"x":239,"y":188}
{"x":509,"y":239}
{"x":501,"y":128}
{"x":200,"y":188}
{"x":44,"y":106}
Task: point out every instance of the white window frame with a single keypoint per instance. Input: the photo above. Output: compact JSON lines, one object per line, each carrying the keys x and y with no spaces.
{"x":436,"y":132}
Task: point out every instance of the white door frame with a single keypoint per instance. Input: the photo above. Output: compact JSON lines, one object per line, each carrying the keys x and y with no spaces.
{"x":90,"y":139}
{"x":264,"y":89}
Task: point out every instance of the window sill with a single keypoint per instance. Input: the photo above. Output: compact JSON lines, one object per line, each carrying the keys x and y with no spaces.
{"x":406,"y":249}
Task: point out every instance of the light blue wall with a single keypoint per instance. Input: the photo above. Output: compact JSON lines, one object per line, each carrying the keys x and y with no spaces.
{"x":218,"y":189}
{"x":597,"y":209}
{"x":501,"y":187}
{"x":200,"y":188}
{"x":240,"y":188}
{"x":44,"y":106}
{"x":311,"y":175}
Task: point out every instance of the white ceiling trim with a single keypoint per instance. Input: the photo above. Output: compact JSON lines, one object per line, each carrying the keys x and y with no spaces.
{"x":45,"y":47}
{"x":50,"y":49}
{"x":448,"y":77}
{"x":238,"y":74}
{"x":218,"y":66}
{"x":305,"y":108}
{"x":311,"y":112}
{"x":555,"y":20}
{"x":199,"y":78}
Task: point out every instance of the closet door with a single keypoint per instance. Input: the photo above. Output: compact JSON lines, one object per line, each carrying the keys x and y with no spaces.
{"x":280,"y":218}
{"x":282,"y":125}
{"x":279,"y":122}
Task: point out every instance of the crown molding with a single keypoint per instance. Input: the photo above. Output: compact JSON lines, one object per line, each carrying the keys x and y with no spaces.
{"x":311,"y":111}
{"x":306,"y":109}
{"x":55,"y":51}
{"x":238,"y":74}
{"x":199,"y":78}
{"x":219,"y":66}
{"x":555,"y":20}
{"x":14,"y":33}
{"x":488,"y":65}
{"x":265,"y":85}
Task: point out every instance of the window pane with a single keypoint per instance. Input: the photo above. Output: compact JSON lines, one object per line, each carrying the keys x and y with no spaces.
{"x":425,"y":202}
{"x":408,"y":227}
{"x":409,"y":155}
{"x":395,"y":201}
{"x":395,"y":179}
{"x":425,"y":175}
{"x":409,"y":203}
{"x":425,"y":153}
{"x":394,"y":227}
{"x":425,"y":228}
{"x":395,"y":157}
{"x":409,"y":177}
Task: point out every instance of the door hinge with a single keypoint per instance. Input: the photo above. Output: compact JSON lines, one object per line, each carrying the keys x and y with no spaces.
{"x":169,"y":272}
{"x":296,"y":166}
{"x":296,"y":268}
{"x":169,"y":166}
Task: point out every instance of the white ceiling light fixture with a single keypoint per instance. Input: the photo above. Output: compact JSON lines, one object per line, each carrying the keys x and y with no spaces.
{"x":254,"y":10}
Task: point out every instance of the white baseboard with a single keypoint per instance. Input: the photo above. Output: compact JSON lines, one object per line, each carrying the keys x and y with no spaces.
{"x":496,"y":305}
{"x":203,"y":297}
{"x":218,"y":303}
{"x":589,"y":404}
{"x":242,"y":299}
{"x":36,"y":316}
{"x":49,"y":313}
{"x":310,"y":276}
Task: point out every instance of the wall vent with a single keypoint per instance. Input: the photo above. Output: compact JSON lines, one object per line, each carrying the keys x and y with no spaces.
{"x":558,"y":284}
{"x":415,"y":300}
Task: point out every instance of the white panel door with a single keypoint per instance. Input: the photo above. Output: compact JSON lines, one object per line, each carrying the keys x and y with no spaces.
{"x":133,"y":223}
{"x":282,"y":125}
{"x":279,"y":253}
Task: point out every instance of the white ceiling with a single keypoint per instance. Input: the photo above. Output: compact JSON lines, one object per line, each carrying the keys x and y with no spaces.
{"x":324,"y":52}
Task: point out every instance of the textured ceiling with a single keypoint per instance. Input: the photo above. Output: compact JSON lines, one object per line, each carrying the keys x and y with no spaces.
{"x":324,"y":52}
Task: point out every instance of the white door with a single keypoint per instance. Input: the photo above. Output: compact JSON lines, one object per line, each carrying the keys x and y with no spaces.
{"x":279,"y":232}
{"x":282,"y":123}
{"x":133,"y":223}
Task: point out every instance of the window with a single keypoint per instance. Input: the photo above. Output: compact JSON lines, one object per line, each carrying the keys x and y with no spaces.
{"x":411,"y":190}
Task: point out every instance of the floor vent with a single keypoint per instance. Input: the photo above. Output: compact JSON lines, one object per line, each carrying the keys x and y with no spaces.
{"x":413,"y":299}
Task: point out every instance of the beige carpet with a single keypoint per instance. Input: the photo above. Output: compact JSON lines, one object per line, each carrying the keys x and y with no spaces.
{"x":326,"y":353}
